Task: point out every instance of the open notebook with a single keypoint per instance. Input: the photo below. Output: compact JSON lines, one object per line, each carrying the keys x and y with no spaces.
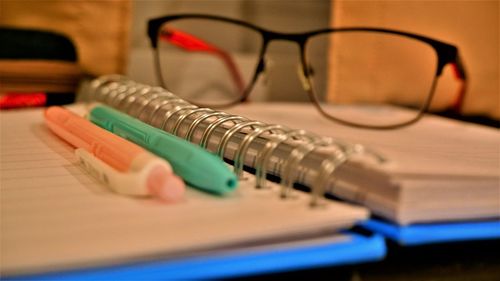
{"x":441,"y":170}
{"x":434,"y":171}
{"x":55,"y":216}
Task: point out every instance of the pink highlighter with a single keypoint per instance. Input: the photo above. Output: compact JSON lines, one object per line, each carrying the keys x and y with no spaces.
{"x":123,"y":166}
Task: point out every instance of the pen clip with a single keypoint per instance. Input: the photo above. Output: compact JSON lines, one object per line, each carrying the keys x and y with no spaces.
{"x":122,"y":183}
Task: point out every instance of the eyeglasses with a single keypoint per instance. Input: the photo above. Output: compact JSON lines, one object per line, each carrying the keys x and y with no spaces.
{"x":351,"y":75}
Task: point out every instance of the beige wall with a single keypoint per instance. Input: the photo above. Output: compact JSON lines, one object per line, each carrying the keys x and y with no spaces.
{"x":473,"y":26}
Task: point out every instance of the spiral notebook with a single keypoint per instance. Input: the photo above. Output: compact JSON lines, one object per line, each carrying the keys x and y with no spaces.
{"x":415,"y":175}
{"x":56,"y":217}
{"x":292,"y":156}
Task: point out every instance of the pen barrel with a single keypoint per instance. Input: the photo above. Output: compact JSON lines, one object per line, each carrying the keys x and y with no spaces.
{"x":80,"y":133}
{"x":148,"y":175}
{"x":195,"y":165}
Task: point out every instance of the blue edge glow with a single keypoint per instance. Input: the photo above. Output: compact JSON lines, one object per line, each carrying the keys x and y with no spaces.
{"x":357,"y":249}
{"x":420,"y":234}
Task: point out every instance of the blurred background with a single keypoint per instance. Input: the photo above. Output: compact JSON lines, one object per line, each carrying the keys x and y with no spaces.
{"x":110,"y":36}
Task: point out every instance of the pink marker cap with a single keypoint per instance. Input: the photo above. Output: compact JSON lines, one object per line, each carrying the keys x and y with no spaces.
{"x":165,"y":185}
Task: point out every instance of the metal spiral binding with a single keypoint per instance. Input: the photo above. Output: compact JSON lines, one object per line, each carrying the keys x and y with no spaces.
{"x":293,"y":162}
{"x":230,"y":133}
{"x":211,"y":128}
{"x":328,"y":166}
{"x":263,"y":158}
{"x":160,"y":108}
{"x":133,"y":101}
{"x":162,"y":112}
{"x":170,"y":113}
{"x":188,"y":113}
{"x":242,"y":150}
{"x":151,"y":95}
{"x":194,"y":125}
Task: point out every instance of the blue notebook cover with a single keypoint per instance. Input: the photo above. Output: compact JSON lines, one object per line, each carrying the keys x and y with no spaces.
{"x":356,"y":249}
{"x":419,"y":234}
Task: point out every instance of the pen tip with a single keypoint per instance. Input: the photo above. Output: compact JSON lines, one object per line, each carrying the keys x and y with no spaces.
{"x":165,"y":185}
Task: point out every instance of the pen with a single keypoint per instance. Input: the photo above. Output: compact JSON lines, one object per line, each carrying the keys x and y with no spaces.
{"x":195,"y":165}
{"x":123,"y":166}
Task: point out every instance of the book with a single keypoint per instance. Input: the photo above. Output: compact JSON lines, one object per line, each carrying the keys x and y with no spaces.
{"x":57,"y":218}
{"x":437,"y":170}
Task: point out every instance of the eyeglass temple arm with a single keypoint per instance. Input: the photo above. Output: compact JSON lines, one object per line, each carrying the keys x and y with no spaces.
{"x":191,"y":43}
{"x":460,"y":74}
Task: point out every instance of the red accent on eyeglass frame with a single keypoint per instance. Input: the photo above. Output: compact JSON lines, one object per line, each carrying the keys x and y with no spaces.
{"x":191,"y":43}
{"x":459,"y":72}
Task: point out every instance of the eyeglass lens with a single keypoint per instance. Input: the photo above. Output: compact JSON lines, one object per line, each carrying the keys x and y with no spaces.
{"x":208,"y":62}
{"x":369,"y":70}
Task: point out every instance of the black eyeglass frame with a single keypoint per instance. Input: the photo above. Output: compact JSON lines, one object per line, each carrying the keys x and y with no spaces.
{"x":446,"y":54}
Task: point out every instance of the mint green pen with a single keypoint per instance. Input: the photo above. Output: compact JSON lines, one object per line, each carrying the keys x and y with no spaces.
{"x":195,"y":165}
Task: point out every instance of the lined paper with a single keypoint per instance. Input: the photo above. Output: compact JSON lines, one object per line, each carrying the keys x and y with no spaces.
{"x":55,"y":216}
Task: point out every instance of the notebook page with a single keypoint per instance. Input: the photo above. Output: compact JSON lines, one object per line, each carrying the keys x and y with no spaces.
{"x":440,"y":169}
{"x":433,"y":146}
{"x":54,"y":215}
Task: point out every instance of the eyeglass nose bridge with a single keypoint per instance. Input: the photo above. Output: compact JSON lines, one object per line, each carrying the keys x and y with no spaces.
{"x":300,"y":40}
{"x":269,"y":36}
{"x":303,"y":77}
